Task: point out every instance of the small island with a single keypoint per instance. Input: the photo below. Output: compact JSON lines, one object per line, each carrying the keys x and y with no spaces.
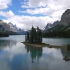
{"x":34,"y":38}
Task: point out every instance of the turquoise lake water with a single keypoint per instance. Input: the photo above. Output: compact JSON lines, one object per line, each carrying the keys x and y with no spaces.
{"x":14,"y":55}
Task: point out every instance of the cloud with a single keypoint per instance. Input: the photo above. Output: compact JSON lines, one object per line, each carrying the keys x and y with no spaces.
{"x":26,"y":22}
{"x":53,"y":8}
{"x":50,"y":9}
{"x":7,"y":14}
{"x":36,"y":11}
{"x":43,"y":3}
{"x":34,"y":3}
{"x":45,"y":6}
{"x":4,"y":4}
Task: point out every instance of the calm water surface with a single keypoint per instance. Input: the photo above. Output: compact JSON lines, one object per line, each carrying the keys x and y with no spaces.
{"x":16,"y":56}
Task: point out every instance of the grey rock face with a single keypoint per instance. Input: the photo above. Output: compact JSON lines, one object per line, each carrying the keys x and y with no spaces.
{"x":4,"y":26}
{"x":10,"y":27}
{"x":49,"y":25}
{"x":14,"y":28}
{"x":65,"y":18}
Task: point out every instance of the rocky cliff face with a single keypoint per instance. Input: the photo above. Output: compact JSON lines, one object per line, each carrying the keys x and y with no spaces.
{"x":14,"y":28}
{"x":4,"y":26}
{"x":49,"y":25}
{"x":65,"y":18}
{"x":10,"y":27}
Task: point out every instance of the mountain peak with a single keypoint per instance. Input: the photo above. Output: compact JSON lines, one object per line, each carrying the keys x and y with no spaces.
{"x":65,"y":18}
{"x":67,"y":11}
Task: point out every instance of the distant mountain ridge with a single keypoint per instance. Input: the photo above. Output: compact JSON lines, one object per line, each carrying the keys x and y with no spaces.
{"x":10,"y":28}
{"x":4,"y":26}
{"x":49,"y":25}
{"x":62,"y":29}
{"x":62,"y":25}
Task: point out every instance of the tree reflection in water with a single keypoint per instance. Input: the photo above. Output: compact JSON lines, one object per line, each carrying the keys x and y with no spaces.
{"x":66,"y":55}
{"x":35,"y":52}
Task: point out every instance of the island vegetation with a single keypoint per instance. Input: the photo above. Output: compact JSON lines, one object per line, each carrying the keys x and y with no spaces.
{"x":34,"y":36}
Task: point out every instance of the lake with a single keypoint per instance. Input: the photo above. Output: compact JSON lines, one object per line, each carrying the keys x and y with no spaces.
{"x":14,"y":55}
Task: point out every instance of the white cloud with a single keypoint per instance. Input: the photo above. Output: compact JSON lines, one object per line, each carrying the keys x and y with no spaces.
{"x":34,"y":3}
{"x":4,"y":4}
{"x":26,"y":21}
{"x":43,"y":3}
{"x":53,"y":8}
{"x":48,"y":8}
{"x":8,"y":14}
{"x":37,"y":11}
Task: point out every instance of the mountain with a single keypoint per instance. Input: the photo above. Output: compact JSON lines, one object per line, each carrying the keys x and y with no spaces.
{"x":59,"y":27}
{"x":14,"y":28}
{"x":62,"y":29}
{"x":62,"y":25}
{"x":10,"y":28}
{"x":58,"y":31}
{"x":65,"y":18}
{"x":4,"y":26}
{"x":49,"y":25}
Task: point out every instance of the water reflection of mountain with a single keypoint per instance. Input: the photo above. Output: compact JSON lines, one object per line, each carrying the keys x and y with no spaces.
{"x":7,"y":43}
{"x":65,"y":53}
{"x":35,"y":52}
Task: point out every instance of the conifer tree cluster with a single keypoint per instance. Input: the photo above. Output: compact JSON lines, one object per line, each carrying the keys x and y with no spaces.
{"x":34,"y":36}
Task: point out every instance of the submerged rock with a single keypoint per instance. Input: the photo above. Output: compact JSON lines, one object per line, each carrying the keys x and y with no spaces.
{"x":66,"y":58}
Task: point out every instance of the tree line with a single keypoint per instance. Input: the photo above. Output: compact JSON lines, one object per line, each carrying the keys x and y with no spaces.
{"x":57,"y":34}
{"x":3,"y":34}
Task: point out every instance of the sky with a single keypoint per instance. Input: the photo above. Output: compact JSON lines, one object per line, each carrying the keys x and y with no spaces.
{"x":25,"y":13}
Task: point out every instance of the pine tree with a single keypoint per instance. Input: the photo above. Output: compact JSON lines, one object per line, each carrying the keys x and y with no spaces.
{"x":27,"y":37}
{"x":34,"y":36}
{"x":39,"y":35}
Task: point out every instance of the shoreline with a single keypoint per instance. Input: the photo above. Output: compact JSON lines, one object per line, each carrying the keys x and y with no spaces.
{"x":45,"y":45}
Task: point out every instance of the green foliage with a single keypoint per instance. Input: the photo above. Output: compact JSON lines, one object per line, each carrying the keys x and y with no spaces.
{"x":39,"y":35}
{"x":27,"y":37}
{"x":57,"y":34}
{"x":59,"y":31}
{"x":34,"y":36}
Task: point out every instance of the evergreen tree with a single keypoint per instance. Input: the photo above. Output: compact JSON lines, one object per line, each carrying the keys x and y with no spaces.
{"x":39,"y":35}
{"x":27,"y":37}
{"x":34,"y":36}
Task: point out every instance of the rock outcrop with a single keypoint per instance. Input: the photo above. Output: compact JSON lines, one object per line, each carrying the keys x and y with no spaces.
{"x":10,"y":28}
{"x":65,"y":18}
{"x":4,"y":26}
{"x":49,"y":25}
